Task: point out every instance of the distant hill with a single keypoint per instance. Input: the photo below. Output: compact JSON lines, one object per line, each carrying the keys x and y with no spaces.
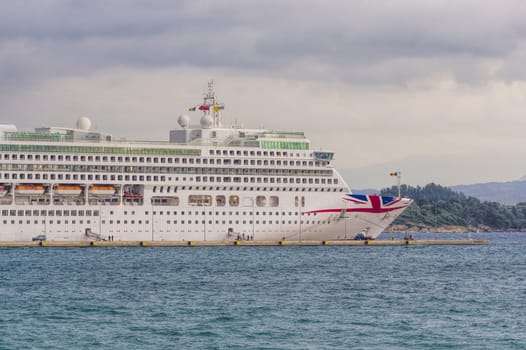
{"x":509,"y":193}
{"x":438,"y":208}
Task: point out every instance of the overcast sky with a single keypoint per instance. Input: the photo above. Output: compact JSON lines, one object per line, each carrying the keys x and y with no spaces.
{"x":436,"y":89}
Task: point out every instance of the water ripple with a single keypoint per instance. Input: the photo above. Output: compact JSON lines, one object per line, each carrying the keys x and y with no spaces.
{"x":414,"y":297}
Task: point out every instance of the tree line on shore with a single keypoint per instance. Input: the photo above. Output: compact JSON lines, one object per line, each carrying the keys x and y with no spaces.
{"x":437,"y":207}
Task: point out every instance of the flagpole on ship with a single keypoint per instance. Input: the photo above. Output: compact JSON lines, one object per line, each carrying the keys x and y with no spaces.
{"x":399,"y":179}
{"x":398,"y":175}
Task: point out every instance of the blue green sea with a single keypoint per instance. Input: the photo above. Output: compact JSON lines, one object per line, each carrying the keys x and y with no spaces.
{"x":412,"y":297}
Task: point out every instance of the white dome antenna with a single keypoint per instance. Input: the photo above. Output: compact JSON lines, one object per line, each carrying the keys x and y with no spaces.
{"x":84,"y":124}
{"x":207,"y":121}
{"x":183,"y":121}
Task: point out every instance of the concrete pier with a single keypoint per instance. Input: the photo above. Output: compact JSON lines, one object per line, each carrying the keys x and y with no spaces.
{"x":310,"y":243}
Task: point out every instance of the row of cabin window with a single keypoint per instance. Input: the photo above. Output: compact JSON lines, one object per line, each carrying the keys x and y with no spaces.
{"x":174,"y":222}
{"x":88,"y":150}
{"x":37,"y":176}
{"x":255,"y":153}
{"x":91,"y":158}
{"x":220,"y":200}
{"x":125,"y":222}
{"x":238,"y":179}
{"x":75,"y":158}
{"x":35,"y":212}
{"x":97,"y":177}
{"x":224,"y":213}
{"x":81,"y":168}
{"x":53,"y":157}
{"x":251,"y":189}
{"x":251,"y":153}
{"x":242,"y":222}
{"x":217,"y":222}
{"x":48,"y":222}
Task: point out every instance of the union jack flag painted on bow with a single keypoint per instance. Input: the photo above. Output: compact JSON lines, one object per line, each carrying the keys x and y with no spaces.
{"x":367,"y":204}
{"x":356,"y":198}
{"x":372,"y":203}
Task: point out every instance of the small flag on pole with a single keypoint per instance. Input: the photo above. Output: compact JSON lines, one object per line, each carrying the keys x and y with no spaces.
{"x":199,"y":107}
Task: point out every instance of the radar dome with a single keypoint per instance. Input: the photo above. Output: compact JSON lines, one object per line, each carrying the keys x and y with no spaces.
{"x":183,"y":121}
{"x":83,"y":124}
{"x":207,"y":121}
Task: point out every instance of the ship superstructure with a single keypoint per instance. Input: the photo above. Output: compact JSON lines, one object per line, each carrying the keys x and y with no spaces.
{"x":208,"y":182}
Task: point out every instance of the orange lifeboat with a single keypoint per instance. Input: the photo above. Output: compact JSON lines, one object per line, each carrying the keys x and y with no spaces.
{"x":101,"y":190}
{"x":70,"y":190}
{"x":29,"y":189}
{"x":131,"y":195}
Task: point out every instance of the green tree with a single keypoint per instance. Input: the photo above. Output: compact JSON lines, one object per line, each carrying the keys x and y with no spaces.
{"x":436,"y":205}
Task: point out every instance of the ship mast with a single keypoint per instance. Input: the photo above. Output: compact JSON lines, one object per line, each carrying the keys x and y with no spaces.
{"x":214,"y":108}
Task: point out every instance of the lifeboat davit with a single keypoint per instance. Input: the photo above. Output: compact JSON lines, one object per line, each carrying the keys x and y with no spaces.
{"x":101,"y":190}
{"x":69,"y":190}
{"x":29,"y":189}
{"x":3,"y":190}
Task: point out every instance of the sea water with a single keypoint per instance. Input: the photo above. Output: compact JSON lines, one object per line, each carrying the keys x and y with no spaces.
{"x":403,"y":297}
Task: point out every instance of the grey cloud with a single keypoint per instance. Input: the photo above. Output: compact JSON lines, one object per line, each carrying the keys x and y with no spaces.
{"x":369,"y":42}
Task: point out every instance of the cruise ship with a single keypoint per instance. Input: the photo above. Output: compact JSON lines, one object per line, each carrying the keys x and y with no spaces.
{"x":207,"y":182}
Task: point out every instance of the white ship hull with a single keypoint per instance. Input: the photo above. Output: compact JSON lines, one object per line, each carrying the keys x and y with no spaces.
{"x":329,"y":221}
